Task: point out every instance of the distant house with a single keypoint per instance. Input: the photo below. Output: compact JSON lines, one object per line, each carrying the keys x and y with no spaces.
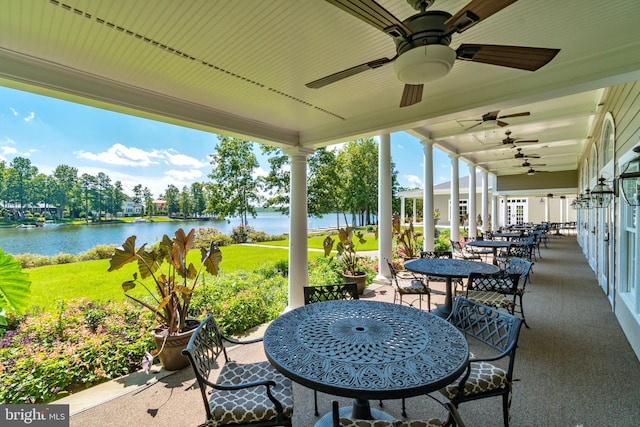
{"x":131,"y":208}
{"x":521,"y":208}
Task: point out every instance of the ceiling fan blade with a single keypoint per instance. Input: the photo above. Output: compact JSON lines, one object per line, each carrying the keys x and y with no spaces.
{"x":375,"y":15}
{"x":525,"y":141}
{"x":412,"y":94}
{"x":474,"y":12}
{"x":531,"y":156}
{"x":520,"y":57}
{"x":507,"y":116}
{"x":501,"y":124}
{"x":477,"y":124}
{"x":348,"y":72}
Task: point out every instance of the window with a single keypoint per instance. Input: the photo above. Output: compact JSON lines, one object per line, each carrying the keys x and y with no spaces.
{"x":607,"y":141}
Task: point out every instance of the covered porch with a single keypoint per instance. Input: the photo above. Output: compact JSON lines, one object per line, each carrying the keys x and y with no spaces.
{"x":574,"y":366}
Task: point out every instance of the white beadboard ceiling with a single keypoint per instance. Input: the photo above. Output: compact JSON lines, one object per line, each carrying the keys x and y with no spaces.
{"x":240,"y":68}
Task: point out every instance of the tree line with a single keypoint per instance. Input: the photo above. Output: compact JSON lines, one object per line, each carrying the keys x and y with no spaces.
{"x":338,"y":181}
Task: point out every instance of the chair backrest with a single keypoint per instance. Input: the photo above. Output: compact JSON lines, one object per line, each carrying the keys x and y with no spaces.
{"x":520,"y":266}
{"x":436,"y":254}
{"x":493,"y":327}
{"x":338,"y":421}
{"x":456,"y":247}
{"x":338,"y":291}
{"x":498,"y":282}
{"x":205,"y":346}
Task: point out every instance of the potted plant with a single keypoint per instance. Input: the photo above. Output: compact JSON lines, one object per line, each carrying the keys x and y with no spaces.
{"x":172,"y":281}
{"x":406,"y":239}
{"x":353,"y":270}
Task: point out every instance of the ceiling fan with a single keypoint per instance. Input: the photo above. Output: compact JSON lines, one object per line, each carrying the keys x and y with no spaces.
{"x":422,"y":43}
{"x":491,"y":118}
{"x":526,"y":164}
{"x":520,"y":155}
{"x":513,"y":141}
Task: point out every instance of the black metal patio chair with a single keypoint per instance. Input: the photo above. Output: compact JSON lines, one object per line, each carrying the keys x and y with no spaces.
{"x":252,"y":394}
{"x":483,"y":377}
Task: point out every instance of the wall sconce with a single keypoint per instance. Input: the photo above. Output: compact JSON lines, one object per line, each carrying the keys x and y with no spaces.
{"x":601,"y":194}
{"x":630,"y":180}
{"x":585,"y":201}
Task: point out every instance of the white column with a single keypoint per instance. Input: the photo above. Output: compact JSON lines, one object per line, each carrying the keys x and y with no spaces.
{"x":547,"y":210}
{"x":298,"y":259}
{"x":494,"y":212}
{"x":561,"y":211}
{"x":471,"y":207}
{"x":455,"y":199}
{"x":384,"y":207}
{"x":503,"y":210}
{"x":415,"y":214}
{"x":427,"y":197}
{"x":402,"y":209}
{"x":485,"y":201}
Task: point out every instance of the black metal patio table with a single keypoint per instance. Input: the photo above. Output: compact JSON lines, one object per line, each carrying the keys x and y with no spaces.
{"x":493,"y":244}
{"x":365,"y":350}
{"x":449,"y":268}
{"x":507,"y":235}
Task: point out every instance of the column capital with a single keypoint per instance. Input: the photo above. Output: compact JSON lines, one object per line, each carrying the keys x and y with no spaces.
{"x":453,"y":156}
{"x":298,"y":151}
{"x":427,"y":142}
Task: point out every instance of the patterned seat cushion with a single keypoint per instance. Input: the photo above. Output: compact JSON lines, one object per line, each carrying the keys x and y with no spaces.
{"x":348,"y":422}
{"x":249,"y":404}
{"x":483,"y":377}
{"x":492,"y":299}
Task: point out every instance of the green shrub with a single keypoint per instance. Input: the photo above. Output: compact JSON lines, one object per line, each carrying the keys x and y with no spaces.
{"x":98,"y":252}
{"x":240,"y":300}
{"x":240,"y":234}
{"x":206,"y":235}
{"x":63,"y":258}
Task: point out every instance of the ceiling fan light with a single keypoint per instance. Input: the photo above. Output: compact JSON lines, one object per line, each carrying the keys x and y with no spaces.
{"x":424,"y":63}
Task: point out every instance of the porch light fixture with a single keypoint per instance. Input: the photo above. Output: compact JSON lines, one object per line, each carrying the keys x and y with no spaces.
{"x":630,"y":180}
{"x":424,"y":63}
{"x":601,"y":194}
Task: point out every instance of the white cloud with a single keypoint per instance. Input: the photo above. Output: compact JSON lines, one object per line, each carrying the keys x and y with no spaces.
{"x":413,"y":180}
{"x":14,"y":112}
{"x":260,"y":172}
{"x":122,"y":155}
{"x":8,"y":150}
{"x":186,"y":176}
{"x":183,"y":160}
{"x":30,"y":117}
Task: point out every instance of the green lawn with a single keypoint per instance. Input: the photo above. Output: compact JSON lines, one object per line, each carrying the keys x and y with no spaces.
{"x":315,"y":242}
{"x":91,"y":280}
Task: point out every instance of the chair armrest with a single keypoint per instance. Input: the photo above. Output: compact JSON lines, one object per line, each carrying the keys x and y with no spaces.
{"x":235,"y":341}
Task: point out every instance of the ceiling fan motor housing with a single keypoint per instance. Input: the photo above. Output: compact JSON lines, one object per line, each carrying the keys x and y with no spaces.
{"x":425,"y":55}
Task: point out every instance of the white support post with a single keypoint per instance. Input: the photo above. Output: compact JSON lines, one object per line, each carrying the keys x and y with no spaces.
{"x":298,"y":248}
{"x":427,"y":196}
{"x":384,"y":208}
{"x":471,"y":211}
{"x":455,"y":199}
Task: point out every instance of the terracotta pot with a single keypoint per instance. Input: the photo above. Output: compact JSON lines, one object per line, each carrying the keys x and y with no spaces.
{"x":360,"y":279}
{"x":171,"y":357}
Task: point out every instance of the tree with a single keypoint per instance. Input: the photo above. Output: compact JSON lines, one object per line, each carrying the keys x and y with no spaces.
{"x":21,"y":173}
{"x":323,"y":184}
{"x":233,"y":182}
{"x":103,"y":189}
{"x":198,"y":199}
{"x":117,"y":197}
{"x":148,"y":201}
{"x":185,"y":202}
{"x":172,"y":199}
{"x":65,"y":178}
{"x":277,"y":181}
{"x":88,"y":186}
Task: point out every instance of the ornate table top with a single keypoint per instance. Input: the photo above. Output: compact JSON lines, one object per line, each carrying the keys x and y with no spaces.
{"x":489,"y":243}
{"x":452,"y":268}
{"x":366,"y":349}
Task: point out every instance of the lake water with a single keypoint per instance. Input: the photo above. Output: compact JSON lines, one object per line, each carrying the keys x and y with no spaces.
{"x":51,"y":240}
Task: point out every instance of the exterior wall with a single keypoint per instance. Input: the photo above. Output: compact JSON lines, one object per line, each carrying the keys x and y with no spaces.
{"x":623,"y":102}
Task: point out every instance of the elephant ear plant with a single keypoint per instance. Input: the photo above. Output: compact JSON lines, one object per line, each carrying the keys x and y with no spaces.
{"x":172,"y":279}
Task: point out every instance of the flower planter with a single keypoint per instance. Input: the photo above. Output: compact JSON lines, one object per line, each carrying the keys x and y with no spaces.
{"x":359,"y":279}
{"x":171,"y":357}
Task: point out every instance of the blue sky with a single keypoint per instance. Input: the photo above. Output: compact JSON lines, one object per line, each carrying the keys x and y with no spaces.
{"x":51,"y":132}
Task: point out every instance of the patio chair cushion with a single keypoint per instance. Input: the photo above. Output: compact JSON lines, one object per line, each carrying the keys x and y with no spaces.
{"x":250,"y":404}
{"x":492,"y":299}
{"x":483,"y":377}
{"x":348,"y":422}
